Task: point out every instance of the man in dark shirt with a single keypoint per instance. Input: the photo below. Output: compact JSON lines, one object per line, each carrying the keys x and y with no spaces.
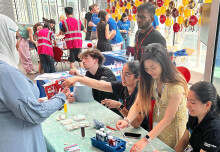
{"x":92,"y":61}
{"x":88,"y":17}
{"x":146,"y":33}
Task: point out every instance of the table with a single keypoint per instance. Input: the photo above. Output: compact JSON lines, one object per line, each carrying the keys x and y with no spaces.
{"x":56,"y":134}
{"x":112,"y":56}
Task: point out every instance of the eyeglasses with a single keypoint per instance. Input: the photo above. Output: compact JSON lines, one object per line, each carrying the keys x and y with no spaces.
{"x":127,"y":74}
{"x":142,"y":17}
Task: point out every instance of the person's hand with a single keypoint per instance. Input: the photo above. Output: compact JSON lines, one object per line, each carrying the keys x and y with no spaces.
{"x":69,"y":82}
{"x":74,"y":72}
{"x":85,"y":30}
{"x":66,"y":91}
{"x":71,"y":99}
{"x":40,"y":100}
{"x":139,"y":146}
{"x":125,"y":31}
{"x":111,"y":103}
{"x":121,"y":124}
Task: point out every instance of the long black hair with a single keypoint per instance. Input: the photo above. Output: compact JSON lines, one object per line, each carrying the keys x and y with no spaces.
{"x":123,"y":15}
{"x":206,"y":91}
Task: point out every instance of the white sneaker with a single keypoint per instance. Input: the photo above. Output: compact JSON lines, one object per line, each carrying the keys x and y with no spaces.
{"x":31,"y":73}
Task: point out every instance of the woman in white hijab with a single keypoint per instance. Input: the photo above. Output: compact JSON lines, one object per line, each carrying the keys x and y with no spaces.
{"x":20,"y":111}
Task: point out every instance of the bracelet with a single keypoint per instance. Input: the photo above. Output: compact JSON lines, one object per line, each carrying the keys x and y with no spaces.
{"x":147,"y":138}
{"x":128,"y":121}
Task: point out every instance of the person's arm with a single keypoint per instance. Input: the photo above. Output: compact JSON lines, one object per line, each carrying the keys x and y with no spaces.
{"x":85,"y":22}
{"x":169,"y":115}
{"x":22,"y":99}
{"x":107,"y":34}
{"x":30,"y":32}
{"x":113,"y":33}
{"x":99,"y":85}
{"x":184,"y":141}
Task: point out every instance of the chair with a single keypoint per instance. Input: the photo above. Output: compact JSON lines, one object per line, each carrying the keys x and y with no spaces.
{"x":58,"y":56}
{"x":151,"y":114}
{"x":185,"y":72}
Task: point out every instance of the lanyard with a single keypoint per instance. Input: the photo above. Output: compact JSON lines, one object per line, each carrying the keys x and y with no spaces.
{"x":137,"y":49}
{"x":157,"y":98}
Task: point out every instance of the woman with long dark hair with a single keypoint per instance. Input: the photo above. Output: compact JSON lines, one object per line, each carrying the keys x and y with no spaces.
{"x":160,"y":79}
{"x":203,"y":127}
{"x":124,"y":28}
{"x":103,"y":33}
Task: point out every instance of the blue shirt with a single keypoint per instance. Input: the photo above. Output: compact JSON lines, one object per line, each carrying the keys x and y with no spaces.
{"x":156,"y":21}
{"x":113,"y":26}
{"x":21,"y":113}
{"x":60,"y":25}
{"x":95,"y":20}
{"x":123,"y":25}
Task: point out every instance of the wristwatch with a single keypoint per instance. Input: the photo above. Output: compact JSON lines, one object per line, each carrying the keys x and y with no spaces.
{"x":121,"y":107}
{"x":148,"y":138}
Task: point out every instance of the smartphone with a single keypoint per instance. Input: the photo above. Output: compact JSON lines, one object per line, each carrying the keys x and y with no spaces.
{"x":132,"y":135}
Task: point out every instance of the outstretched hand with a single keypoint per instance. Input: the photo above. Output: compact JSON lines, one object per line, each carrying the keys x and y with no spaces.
{"x":69,"y":82}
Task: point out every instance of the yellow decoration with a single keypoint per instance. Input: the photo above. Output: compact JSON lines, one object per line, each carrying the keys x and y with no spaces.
{"x":116,"y":11}
{"x":185,"y":2}
{"x":169,"y":22}
{"x":187,"y":12}
{"x":134,"y":17}
{"x":193,"y":12}
{"x":136,"y":3}
{"x":117,"y":6}
{"x":139,"y":3}
{"x":128,"y":5}
{"x":200,"y":20}
{"x":123,"y":9}
{"x":119,"y":16}
{"x":180,"y":10}
{"x":158,"y":12}
{"x":180,"y":19}
{"x":112,"y":0}
{"x":65,"y":107}
{"x":166,"y":2}
{"x":113,"y":16}
{"x":162,"y":10}
{"x":208,"y":1}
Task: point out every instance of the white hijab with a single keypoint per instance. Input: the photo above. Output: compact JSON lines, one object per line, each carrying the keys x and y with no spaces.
{"x":8,"y":51}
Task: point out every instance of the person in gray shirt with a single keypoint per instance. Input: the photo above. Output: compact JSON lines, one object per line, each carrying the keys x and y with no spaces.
{"x":21,"y":112}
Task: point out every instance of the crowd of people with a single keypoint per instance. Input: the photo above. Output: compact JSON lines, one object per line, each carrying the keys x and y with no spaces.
{"x":184,"y":119}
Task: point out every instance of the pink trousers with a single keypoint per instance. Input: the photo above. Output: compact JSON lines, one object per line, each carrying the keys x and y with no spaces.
{"x":25,"y":56}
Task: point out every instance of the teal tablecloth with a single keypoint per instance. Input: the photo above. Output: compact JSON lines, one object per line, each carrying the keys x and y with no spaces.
{"x":58,"y":137}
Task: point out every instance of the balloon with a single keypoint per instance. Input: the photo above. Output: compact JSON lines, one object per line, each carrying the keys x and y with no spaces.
{"x":113,"y":9}
{"x":119,"y":16}
{"x":127,"y":11}
{"x":175,"y":13}
{"x":171,"y":5}
{"x":176,"y":27}
{"x":116,"y":11}
{"x":166,"y":2}
{"x":193,"y":20}
{"x":134,"y":10}
{"x":108,"y":1}
{"x":162,"y":19}
{"x":168,"y":22}
{"x":121,"y":4}
{"x":134,"y":17}
{"x":113,"y":16}
{"x":168,"y":13}
{"x":125,"y":3}
{"x":130,"y":17}
{"x":163,"y":10}
{"x":180,"y":19}
{"x":129,"y":5}
{"x":186,"y":23}
{"x":122,"y":9}
{"x":191,"y":4}
{"x":159,"y":3}
{"x":117,"y":6}
{"x":185,"y":2}
{"x":200,"y":20}
{"x":180,"y":9}
{"x":112,"y":0}
{"x":158,"y":12}
{"x":187,"y":12}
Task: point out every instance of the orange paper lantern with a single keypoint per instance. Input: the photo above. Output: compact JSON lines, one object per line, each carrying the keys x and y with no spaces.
{"x":122,"y":9}
{"x":180,"y":20}
{"x":187,"y":12}
{"x":185,"y":2}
